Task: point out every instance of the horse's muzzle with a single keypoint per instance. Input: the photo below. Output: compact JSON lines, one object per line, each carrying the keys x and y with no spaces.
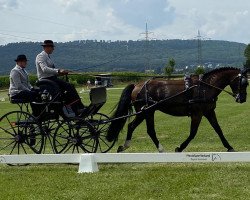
{"x":241,"y":98}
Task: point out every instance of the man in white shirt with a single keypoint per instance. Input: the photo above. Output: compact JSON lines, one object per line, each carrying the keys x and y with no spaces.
{"x":46,"y":70}
{"x":20,"y":87}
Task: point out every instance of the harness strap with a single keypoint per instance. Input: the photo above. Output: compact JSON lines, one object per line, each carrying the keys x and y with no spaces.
{"x":73,"y":102}
{"x":146,"y":91}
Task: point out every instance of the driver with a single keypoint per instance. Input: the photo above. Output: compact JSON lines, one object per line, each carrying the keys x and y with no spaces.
{"x":46,"y":70}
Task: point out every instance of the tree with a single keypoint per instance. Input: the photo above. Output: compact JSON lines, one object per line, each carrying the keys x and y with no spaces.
{"x":247,"y":55}
{"x":171,"y":62}
{"x":199,"y":70}
{"x":169,"y":69}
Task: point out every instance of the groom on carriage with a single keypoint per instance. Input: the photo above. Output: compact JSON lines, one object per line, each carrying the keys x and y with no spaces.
{"x":20,"y":87}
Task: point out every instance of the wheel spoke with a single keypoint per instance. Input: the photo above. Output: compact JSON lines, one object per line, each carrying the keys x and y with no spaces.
{"x":74,"y":149}
{"x":56,"y":140}
{"x":18,"y":148}
{"x":68,"y":148}
{"x":100,"y":138}
{"x":61,"y":145}
{"x":23,"y":149}
{"x":7,"y":145}
{"x":13,"y":148}
{"x":7,"y":131}
{"x":82,"y":148}
{"x":100,"y":146}
{"x":11,"y":125}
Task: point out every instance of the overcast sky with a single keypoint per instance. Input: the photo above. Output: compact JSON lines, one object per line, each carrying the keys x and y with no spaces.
{"x":68,"y":20}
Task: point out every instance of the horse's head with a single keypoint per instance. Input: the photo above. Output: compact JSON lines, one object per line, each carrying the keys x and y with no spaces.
{"x":239,"y":86}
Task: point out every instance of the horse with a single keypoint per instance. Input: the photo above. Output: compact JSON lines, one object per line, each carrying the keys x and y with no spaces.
{"x":194,"y":98}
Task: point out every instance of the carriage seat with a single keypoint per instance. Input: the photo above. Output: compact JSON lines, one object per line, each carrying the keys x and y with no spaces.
{"x":18,"y":101}
{"x":49,"y":86}
{"x":47,"y":83}
{"x":98,"y":97}
{"x":23,"y":104}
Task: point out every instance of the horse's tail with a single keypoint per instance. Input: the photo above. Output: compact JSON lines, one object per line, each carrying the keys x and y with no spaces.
{"x":124,"y":107}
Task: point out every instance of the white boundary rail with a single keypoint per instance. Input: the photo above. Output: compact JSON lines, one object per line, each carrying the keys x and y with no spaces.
{"x":88,"y":162}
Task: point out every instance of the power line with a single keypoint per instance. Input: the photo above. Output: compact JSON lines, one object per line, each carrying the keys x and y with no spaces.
{"x":9,"y":31}
{"x":56,"y":23}
{"x":17,"y":36}
{"x":43,"y":20}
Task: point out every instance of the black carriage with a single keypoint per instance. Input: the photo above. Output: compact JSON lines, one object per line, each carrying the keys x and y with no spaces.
{"x":103,"y":80}
{"x":52,"y":128}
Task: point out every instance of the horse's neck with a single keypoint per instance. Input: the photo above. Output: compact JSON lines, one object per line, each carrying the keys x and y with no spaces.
{"x":219,"y":80}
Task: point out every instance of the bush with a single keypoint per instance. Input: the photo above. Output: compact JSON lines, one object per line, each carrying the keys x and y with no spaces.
{"x":199,"y":70}
{"x":4,"y":81}
{"x":81,"y":79}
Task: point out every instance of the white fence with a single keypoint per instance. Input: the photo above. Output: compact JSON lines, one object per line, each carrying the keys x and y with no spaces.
{"x":88,"y":162}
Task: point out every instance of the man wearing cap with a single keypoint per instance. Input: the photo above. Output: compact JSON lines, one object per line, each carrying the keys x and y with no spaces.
{"x":20,"y":87}
{"x":46,"y":70}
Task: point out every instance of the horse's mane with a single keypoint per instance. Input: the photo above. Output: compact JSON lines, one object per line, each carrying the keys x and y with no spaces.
{"x":207,"y":74}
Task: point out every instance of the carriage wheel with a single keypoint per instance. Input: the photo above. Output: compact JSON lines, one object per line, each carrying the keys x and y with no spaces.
{"x":20,"y":134}
{"x":49,"y":127}
{"x":75,"y":137}
{"x":101,"y":126}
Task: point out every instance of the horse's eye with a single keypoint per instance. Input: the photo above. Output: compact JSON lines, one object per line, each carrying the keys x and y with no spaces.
{"x":244,"y":81}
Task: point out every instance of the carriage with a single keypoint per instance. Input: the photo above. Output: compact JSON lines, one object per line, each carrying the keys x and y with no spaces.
{"x":51,"y":128}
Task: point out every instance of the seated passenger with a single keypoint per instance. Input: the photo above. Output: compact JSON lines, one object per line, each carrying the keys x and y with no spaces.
{"x":46,"y":70}
{"x":20,"y":87}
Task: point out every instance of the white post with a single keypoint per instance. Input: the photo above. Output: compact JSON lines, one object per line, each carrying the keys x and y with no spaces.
{"x":87,"y":164}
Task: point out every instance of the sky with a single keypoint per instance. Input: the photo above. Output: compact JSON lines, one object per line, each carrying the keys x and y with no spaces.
{"x":69,"y":20}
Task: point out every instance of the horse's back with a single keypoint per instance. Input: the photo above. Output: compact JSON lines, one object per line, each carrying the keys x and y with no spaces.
{"x":157,"y":89}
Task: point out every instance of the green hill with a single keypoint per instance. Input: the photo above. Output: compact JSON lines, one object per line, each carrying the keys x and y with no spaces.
{"x":92,"y":55}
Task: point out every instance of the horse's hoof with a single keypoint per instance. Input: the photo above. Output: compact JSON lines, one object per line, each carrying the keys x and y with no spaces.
{"x":120,"y":149}
{"x":177,"y":149}
{"x":230,"y":150}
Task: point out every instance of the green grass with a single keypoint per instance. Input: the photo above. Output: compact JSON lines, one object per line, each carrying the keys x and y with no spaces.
{"x":145,"y":181}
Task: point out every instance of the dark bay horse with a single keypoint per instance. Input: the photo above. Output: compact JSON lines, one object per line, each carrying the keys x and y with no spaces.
{"x":172,"y":97}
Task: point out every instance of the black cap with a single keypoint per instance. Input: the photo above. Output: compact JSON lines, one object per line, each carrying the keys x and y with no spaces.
{"x":49,"y":43}
{"x":21,"y":58}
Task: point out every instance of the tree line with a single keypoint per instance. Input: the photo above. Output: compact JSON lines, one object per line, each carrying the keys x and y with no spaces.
{"x":94,"y":56}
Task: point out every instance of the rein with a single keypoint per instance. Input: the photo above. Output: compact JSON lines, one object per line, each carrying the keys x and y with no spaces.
{"x":230,"y":93}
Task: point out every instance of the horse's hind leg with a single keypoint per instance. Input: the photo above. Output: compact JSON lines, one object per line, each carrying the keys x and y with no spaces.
{"x":151,"y":131}
{"x":131,"y":127}
{"x":211,"y":116}
{"x":195,"y":122}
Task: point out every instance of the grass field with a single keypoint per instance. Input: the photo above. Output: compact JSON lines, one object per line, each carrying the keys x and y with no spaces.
{"x":145,"y":181}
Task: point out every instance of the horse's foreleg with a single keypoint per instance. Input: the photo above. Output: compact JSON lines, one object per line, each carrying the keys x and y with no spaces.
{"x":211,"y":116}
{"x":195,"y":122}
{"x":131,"y":127}
{"x":151,"y":131}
